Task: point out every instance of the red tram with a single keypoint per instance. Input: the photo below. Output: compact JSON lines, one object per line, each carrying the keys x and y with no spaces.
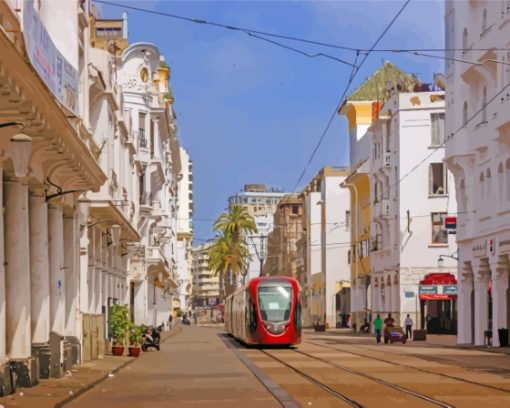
{"x":265,"y":311}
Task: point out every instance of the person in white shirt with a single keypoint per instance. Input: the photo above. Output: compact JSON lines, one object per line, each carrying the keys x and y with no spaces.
{"x":408,"y":323}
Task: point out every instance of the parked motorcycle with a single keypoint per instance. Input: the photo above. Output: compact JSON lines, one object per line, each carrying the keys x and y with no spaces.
{"x":151,"y":338}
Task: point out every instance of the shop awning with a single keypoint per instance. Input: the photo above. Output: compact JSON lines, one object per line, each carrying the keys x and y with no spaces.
{"x":438,"y":286}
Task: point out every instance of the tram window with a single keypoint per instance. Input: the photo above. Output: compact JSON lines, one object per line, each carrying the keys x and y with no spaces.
{"x":275,"y":302}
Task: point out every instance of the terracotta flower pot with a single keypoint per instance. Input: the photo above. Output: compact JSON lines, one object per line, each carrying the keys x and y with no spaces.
{"x":117,"y":350}
{"x":134,"y":351}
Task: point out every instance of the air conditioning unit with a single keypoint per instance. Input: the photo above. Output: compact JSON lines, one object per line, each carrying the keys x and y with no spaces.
{"x":387,"y":158}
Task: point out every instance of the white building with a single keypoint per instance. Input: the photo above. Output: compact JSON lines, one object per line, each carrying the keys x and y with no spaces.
{"x":478,"y":155}
{"x":184,"y":231}
{"x":261,"y":204}
{"x":144,"y":77}
{"x":206,"y":285}
{"x":328,"y":235}
{"x":409,"y":206}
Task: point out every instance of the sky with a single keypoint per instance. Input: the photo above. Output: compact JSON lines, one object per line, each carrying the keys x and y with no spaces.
{"x":249,"y":111}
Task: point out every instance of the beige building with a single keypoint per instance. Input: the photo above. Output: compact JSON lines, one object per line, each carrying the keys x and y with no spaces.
{"x":282,"y":247}
{"x":206,"y":286}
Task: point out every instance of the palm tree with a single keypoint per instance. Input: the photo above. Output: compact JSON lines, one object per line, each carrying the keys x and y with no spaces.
{"x":237,"y":221}
{"x":225,"y":255}
{"x":229,"y":252}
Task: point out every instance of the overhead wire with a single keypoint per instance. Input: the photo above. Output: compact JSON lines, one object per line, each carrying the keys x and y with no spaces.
{"x":344,"y":93}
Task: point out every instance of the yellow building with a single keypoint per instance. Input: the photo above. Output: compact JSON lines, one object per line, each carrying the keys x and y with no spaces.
{"x":360,"y":109}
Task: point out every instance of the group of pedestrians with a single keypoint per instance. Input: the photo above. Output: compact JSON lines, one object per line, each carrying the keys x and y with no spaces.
{"x":390,"y":322}
{"x":184,"y":319}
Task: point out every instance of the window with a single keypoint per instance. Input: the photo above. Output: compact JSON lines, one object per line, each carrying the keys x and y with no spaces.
{"x":439,"y":235}
{"x":500,"y":183}
{"x":295,"y":209}
{"x":484,"y":104}
{"x":347,"y":220}
{"x":465,"y":40}
{"x":484,"y":21}
{"x":438,"y":183}
{"x":464,"y":114}
{"x":437,"y":125}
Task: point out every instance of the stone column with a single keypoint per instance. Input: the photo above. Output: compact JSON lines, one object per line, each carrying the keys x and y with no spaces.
{"x":464,"y":326}
{"x":499,"y":307}
{"x":17,"y":279}
{"x":40,"y":282}
{"x":84,"y":270}
{"x":481,"y":283}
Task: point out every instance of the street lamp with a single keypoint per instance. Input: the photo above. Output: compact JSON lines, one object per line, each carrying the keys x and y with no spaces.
{"x":440,"y":260}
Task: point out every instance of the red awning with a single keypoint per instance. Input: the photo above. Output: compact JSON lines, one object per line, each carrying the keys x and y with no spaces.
{"x":438,"y":297}
{"x":439,"y":279}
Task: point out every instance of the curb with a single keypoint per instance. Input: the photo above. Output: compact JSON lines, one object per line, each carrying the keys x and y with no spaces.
{"x":88,"y":387}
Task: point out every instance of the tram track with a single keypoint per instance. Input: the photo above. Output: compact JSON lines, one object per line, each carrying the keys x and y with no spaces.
{"x":451,"y":377}
{"x":320,"y":384}
{"x":344,"y":397}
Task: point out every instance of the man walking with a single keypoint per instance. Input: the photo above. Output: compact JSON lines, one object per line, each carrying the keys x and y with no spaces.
{"x":377,"y":327}
{"x":408,"y":322}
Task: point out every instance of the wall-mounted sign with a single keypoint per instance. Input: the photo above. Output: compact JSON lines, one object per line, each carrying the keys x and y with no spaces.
{"x":437,"y":292}
{"x":58,"y":74}
{"x":479,"y":249}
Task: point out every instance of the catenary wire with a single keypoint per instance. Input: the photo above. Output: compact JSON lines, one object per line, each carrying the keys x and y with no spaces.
{"x":281,"y":36}
{"x":353,"y":75}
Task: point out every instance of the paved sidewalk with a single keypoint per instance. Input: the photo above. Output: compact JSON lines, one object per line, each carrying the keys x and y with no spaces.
{"x":193,"y":369}
{"x":54,"y":392}
{"x":433,"y":340}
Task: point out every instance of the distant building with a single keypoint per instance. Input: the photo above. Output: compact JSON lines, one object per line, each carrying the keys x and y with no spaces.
{"x":261,"y":204}
{"x":327,"y":225}
{"x":281,"y":243}
{"x":184,"y":231}
{"x":206,"y":286}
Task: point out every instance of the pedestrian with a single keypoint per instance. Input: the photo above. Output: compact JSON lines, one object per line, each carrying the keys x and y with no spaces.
{"x":170,"y":320}
{"x":378,"y":327}
{"x":408,"y":323}
{"x":195,"y":318}
{"x":389,"y":321}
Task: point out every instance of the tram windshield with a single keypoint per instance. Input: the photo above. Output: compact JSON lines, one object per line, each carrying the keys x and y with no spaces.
{"x":275,"y":302}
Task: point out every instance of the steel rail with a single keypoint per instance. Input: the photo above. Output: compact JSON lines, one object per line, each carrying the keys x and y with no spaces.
{"x":337,"y":394}
{"x":379,"y":381}
{"x":451,"y":377}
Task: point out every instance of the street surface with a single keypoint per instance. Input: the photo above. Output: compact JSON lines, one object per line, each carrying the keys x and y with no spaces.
{"x":201,"y":366}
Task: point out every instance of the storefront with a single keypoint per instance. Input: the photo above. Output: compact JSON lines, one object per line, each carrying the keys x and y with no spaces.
{"x":438,"y":303}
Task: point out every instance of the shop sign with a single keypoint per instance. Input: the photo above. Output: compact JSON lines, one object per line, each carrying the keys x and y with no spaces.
{"x":479,"y":249}
{"x":58,"y":74}
{"x":504,"y":243}
{"x":450,"y":289}
{"x":428,"y":289}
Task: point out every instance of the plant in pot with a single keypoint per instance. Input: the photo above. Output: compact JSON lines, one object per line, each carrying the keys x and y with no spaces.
{"x":135,"y":339}
{"x":120,"y":323}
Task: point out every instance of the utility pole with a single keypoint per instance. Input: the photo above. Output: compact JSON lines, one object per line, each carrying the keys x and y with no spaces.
{"x":262,"y":256}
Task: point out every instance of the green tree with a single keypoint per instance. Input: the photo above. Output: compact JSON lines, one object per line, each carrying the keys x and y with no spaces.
{"x":229,"y":251}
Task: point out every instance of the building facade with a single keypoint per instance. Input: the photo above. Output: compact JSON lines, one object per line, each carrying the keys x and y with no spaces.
{"x":90,"y":201}
{"x":409,"y":207}
{"x":478,"y":155}
{"x":328,"y":222}
{"x":261,"y":204}
{"x":206,"y":284}
{"x":185,"y":231}
{"x":281,"y":242}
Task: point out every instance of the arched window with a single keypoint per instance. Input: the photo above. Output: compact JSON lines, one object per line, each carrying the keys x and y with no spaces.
{"x":464,"y":40}
{"x":488,"y":184}
{"x":464,"y":113}
{"x":484,"y":21}
{"x":482,"y":187}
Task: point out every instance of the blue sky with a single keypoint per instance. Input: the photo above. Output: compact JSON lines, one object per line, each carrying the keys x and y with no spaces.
{"x":251,"y":112}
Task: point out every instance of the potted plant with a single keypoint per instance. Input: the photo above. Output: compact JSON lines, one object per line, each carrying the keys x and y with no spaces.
{"x":120,"y":323}
{"x":135,"y":339}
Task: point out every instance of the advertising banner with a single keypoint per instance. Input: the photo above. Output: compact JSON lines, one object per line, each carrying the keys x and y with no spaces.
{"x":57,"y":73}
